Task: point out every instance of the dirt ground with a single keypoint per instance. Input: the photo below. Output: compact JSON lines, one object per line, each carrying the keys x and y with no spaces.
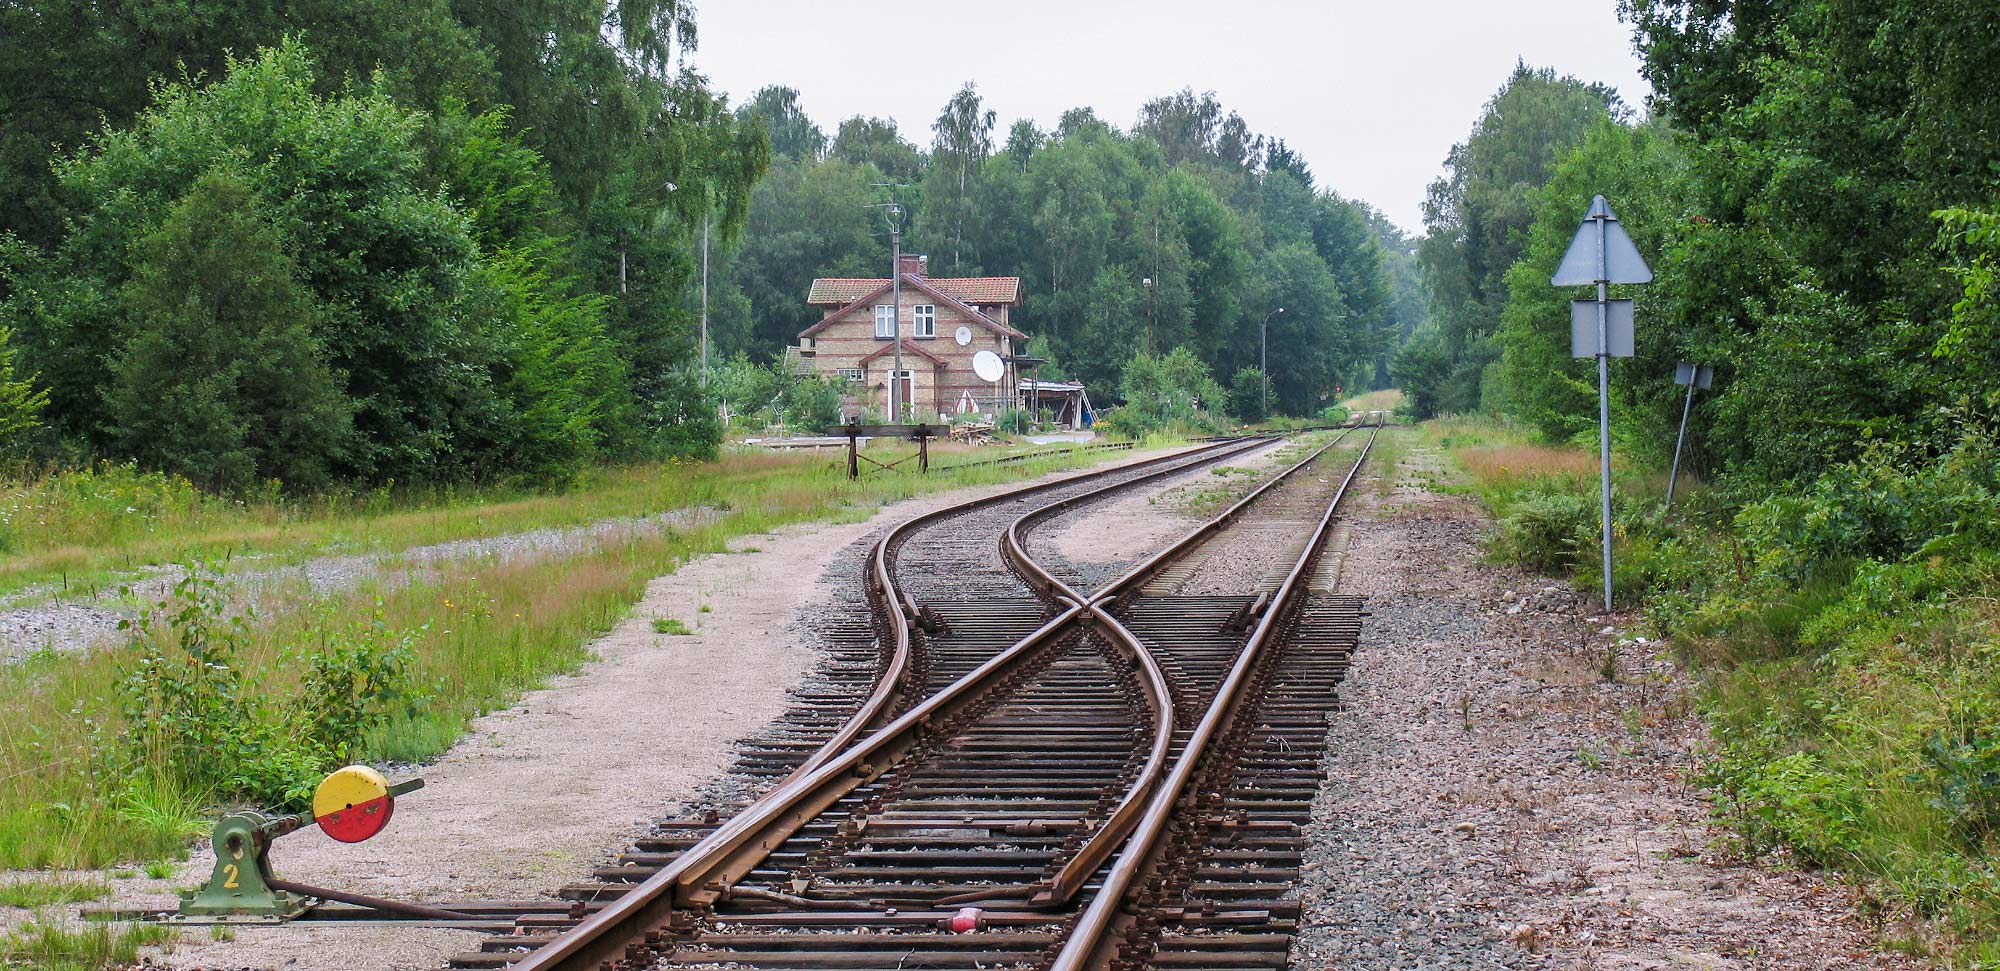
{"x":1506,"y":787}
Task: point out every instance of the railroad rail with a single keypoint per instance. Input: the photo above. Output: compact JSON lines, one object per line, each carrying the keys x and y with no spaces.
{"x":956,"y":823}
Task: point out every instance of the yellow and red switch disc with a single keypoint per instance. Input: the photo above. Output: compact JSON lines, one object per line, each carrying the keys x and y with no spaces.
{"x":353,"y":804}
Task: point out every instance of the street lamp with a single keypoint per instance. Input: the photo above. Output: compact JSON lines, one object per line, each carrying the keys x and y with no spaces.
{"x":1263,"y":350}
{"x":1147,"y":282}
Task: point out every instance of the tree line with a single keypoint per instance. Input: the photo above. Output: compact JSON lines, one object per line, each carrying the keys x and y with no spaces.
{"x":1815,"y":188}
{"x":430,"y":241}
{"x":370,"y":242}
{"x":1228,"y":225}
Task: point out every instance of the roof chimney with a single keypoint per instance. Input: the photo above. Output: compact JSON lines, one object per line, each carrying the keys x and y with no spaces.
{"x":914,"y":263}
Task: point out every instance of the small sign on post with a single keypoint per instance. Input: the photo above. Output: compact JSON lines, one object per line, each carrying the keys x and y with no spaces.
{"x":1602,"y":253}
{"x":1694,"y":376}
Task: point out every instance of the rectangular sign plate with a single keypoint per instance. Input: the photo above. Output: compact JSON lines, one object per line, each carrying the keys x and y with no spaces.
{"x":1583,"y":327}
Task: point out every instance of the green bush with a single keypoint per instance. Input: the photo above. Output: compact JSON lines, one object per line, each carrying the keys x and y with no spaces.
{"x":1964,"y":766}
{"x":1548,"y":530}
{"x":219,"y":377}
{"x":1885,"y":506}
{"x":21,"y":405}
{"x":204,"y":727}
{"x":1789,"y":800}
{"x":1247,"y":402}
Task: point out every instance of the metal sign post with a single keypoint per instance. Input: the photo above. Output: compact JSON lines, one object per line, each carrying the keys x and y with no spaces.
{"x":1602,"y":253}
{"x":1694,"y":376}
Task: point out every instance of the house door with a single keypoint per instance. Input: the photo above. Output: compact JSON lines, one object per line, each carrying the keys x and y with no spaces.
{"x":906,"y":387}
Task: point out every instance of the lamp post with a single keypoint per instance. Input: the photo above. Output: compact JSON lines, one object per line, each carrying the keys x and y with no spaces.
{"x":671,"y":187}
{"x":1263,"y":358}
{"x":1147,"y":282}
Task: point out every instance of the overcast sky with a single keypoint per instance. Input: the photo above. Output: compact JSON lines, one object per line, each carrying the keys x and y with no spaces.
{"x":1372,"y":94}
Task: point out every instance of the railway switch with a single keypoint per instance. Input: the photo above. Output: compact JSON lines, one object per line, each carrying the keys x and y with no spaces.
{"x":349,"y":805}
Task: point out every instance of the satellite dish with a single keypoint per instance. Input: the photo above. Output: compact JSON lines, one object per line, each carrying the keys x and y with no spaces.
{"x":964,"y":336}
{"x":987,"y":365}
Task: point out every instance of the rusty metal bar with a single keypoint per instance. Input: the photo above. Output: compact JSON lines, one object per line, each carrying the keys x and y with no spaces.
{"x":364,"y":900}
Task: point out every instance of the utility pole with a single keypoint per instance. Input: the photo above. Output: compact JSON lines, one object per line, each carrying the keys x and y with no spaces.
{"x":896,"y":402}
{"x":704,"y":298}
{"x":1147,"y":282}
{"x":1602,"y":253}
{"x":893,"y":212}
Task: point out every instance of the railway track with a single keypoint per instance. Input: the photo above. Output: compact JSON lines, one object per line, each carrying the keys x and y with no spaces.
{"x":1041,"y":776}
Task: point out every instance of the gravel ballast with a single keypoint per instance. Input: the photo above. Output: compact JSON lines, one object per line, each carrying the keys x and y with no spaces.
{"x":1494,"y":801}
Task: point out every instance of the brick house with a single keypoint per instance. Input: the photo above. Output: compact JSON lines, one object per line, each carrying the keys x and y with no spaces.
{"x":945,"y":321}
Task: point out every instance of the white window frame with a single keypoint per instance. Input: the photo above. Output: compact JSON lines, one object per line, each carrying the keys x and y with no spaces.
{"x":885,"y":321}
{"x":854,"y":374}
{"x":926,"y":317}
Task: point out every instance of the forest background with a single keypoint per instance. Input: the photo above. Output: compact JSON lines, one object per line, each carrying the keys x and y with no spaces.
{"x":438,"y":242}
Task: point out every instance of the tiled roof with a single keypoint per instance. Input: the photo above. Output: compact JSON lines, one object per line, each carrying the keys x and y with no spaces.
{"x":977,"y":290}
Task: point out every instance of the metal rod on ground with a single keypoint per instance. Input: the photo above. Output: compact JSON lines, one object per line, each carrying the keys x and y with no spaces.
{"x":1675,"y":475}
{"x":363,"y":900}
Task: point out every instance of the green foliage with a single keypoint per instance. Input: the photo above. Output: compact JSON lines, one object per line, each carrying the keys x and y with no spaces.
{"x":1966,"y":769}
{"x":1849,"y":652}
{"x":1476,"y":216}
{"x":811,"y":404}
{"x":21,"y":403}
{"x":1549,"y":529}
{"x":1086,"y":215}
{"x":1246,"y":396}
{"x":204,"y":724}
{"x":357,"y":677}
{"x":1174,"y":391}
{"x":219,"y":376}
{"x":35,"y":892}
{"x":1883,"y":507}
{"x":51,"y":943}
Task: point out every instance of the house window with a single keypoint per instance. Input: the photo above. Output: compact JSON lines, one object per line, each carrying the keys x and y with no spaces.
{"x":926,"y":320}
{"x":849,"y":373}
{"x":885,"y":320}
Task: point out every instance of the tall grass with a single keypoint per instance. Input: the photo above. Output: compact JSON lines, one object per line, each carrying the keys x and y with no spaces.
{"x":490,"y":628}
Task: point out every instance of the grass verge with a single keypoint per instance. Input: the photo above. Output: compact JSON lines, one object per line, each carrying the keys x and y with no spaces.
{"x":75,"y":533}
{"x":480,"y":632}
{"x":46,"y":943}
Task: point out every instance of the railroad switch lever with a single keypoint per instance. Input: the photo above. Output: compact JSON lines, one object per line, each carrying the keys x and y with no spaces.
{"x":350,"y":805}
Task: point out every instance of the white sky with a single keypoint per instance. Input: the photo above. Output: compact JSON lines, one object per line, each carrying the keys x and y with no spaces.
{"x":1372,"y":94}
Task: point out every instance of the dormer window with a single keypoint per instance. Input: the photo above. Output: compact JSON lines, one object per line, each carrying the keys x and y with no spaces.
{"x":926,"y":320}
{"x":885,"y":321}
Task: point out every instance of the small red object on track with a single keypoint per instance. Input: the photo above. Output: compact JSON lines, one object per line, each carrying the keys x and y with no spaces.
{"x":967,"y":919}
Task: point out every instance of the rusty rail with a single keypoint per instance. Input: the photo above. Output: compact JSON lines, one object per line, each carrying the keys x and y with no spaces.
{"x":903,"y":612}
{"x":1072,"y":876}
{"x":705,"y":871}
{"x":1090,"y":942}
